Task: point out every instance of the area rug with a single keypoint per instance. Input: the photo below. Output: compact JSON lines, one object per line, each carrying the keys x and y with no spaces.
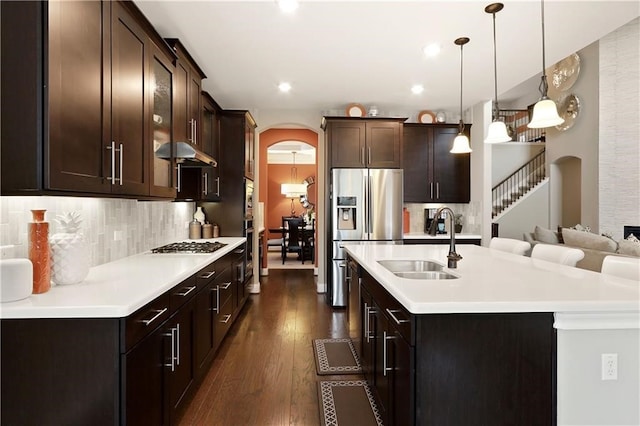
{"x":336,"y":356}
{"x":347,"y":403}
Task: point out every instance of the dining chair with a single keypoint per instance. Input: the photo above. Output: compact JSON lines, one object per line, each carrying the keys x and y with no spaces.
{"x":624,"y":267}
{"x":557,"y":254}
{"x":292,"y":238}
{"x":510,"y":245}
{"x":308,"y":237}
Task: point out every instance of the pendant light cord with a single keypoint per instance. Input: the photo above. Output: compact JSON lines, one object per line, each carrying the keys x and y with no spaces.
{"x":544,"y":86}
{"x":461,"y":124}
{"x":495,"y":72}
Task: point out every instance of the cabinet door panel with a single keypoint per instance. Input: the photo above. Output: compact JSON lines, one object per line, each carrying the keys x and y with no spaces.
{"x":347,"y":141}
{"x":129,"y":109}
{"x":204,"y":328}
{"x":143,"y":369}
{"x":194,"y":107}
{"x":160,"y":96}
{"x":181,"y":380}
{"x":451,"y":171}
{"x":415,"y":162}
{"x":401,"y":400}
{"x":181,"y":127}
{"x":78,"y":95}
{"x":383,"y":144}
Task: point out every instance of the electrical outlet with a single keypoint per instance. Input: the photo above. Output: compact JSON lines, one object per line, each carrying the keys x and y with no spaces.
{"x":609,"y":366}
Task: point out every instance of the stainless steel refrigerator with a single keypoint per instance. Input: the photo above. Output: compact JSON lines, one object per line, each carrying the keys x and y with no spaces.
{"x":366,"y":207}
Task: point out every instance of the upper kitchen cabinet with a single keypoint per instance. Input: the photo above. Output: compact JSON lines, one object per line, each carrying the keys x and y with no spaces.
{"x":75,"y":104}
{"x":431,"y":172}
{"x":210,"y":124}
{"x":364,"y":142}
{"x":186,"y":96}
{"x":161,"y":129}
{"x":237,"y":130}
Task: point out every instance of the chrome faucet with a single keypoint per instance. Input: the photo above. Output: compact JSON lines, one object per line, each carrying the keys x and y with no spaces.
{"x":452,"y":257}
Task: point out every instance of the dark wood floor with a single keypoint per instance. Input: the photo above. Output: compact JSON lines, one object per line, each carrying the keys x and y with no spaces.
{"x":264,"y":373}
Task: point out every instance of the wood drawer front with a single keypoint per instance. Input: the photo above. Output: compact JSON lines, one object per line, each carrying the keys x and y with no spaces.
{"x":398,"y":316}
{"x":145,"y":320}
{"x":208,"y":274}
{"x":183,"y":292}
{"x":226,"y":286}
{"x":222,"y":322}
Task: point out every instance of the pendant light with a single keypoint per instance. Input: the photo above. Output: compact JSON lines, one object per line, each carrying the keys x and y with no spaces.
{"x":497,"y":129}
{"x":293,"y":190}
{"x":545,"y":111}
{"x":461,"y":142}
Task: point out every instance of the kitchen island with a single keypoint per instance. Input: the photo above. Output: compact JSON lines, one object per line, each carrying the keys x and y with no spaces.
{"x":128,"y":345}
{"x":483,"y":347}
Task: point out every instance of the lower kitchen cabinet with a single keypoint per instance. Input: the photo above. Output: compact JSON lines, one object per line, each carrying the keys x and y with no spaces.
{"x":138,"y":370}
{"x":457,"y":369}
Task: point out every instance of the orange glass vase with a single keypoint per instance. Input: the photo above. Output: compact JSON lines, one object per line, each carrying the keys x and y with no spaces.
{"x":39,"y":252}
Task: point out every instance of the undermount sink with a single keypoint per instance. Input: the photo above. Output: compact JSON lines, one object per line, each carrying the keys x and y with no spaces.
{"x":417,"y":269}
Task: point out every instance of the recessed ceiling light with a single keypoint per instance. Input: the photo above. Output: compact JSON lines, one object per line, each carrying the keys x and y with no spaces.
{"x":417,"y":89}
{"x":431,"y":50}
{"x":284,"y":86}
{"x":288,"y":6}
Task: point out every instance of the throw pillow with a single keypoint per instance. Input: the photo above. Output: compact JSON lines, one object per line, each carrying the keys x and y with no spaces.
{"x":545,"y":235}
{"x":629,"y":246}
{"x":588,"y":240}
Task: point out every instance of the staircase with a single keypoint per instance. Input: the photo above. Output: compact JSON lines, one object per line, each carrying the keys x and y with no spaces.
{"x":520,"y":182}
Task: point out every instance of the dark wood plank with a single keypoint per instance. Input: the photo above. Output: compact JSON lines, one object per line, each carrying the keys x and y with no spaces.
{"x":264,"y":372}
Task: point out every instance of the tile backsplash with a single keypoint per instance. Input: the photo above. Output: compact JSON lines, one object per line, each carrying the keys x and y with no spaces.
{"x":114,"y":228}
{"x":471,"y":218}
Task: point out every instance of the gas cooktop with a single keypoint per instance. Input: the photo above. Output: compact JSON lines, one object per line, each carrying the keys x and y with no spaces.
{"x":189,"y":247}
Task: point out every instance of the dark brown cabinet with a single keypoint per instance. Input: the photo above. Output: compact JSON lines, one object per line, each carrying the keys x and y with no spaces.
{"x":186,"y":96}
{"x":359,"y":143}
{"x":387,"y":353}
{"x":422,"y":368}
{"x":431,"y":172}
{"x":76,"y":111}
{"x":210,"y":125}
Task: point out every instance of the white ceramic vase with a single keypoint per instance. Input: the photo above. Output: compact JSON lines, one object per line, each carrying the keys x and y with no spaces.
{"x":69,"y":252}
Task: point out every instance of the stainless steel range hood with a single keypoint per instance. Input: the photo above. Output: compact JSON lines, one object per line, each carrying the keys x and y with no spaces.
{"x":186,"y":153}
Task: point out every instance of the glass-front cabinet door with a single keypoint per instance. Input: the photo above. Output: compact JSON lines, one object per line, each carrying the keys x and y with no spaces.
{"x":161,"y":80}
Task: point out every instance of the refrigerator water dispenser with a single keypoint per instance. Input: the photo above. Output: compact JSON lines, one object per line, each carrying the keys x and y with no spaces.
{"x":346,"y":213}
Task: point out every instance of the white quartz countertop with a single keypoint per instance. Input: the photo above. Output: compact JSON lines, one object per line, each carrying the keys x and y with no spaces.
{"x":117,"y":289}
{"x":495,"y":281}
{"x":423,"y":236}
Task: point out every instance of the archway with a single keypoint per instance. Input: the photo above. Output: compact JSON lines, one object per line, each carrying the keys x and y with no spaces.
{"x":566,"y":191}
{"x":279,"y":144}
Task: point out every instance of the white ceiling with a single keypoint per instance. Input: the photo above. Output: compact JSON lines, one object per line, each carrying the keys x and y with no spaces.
{"x":337,"y":52}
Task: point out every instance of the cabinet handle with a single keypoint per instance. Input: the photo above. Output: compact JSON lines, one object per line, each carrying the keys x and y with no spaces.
{"x":178,"y":344}
{"x":191,"y":130}
{"x":195,"y":131}
{"x":239,"y":251}
{"x":112,"y":148}
{"x":398,"y":321}
{"x":217,"y":187}
{"x":431,"y":190}
{"x":179,"y":169}
{"x":226,"y":319}
{"x":438,"y":190}
{"x":205,"y":177}
{"x":186,"y":292}
{"x":384,"y":353}
{"x":217,"y":308}
{"x":362,"y":156}
{"x":173,"y":349}
{"x":121,"y":161}
{"x":226,"y":285}
{"x":366,"y":321}
{"x":158,"y":313}
{"x":207,"y":276}
{"x":369,"y":152}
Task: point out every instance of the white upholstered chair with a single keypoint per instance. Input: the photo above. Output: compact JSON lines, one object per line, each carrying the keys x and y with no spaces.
{"x":557,"y":254}
{"x":625,"y":267}
{"x":510,"y":245}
